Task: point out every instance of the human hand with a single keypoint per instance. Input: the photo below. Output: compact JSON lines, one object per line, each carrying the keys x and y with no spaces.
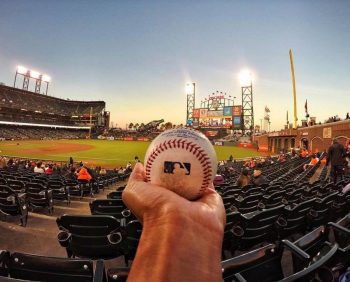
{"x":188,"y":233}
{"x":157,"y":205}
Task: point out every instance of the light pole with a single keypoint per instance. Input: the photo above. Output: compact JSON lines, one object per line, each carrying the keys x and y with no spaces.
{"x":245,"y":78}
{"x":190,"y":90}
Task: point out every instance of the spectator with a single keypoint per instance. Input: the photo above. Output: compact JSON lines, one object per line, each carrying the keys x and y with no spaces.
{"x":335,"y":158}
{"x":83,"y":174}
{"x":162,"y":254}
{"x":103,"y":171}
{"x":38,"y":168}
{"x":2,"y":162}
{"x":314,"y":160}
{"x":347,"y":116}
{"x":49,"y":169}
{"x":243,"y":179}
{"x":257,"y":178}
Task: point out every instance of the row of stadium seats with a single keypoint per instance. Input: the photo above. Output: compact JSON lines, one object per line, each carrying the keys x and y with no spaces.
{"x":322,"y":254}
{"x":22,"y":191}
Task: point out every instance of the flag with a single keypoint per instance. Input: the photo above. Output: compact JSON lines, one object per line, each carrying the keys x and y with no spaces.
{"x":306,"y":111}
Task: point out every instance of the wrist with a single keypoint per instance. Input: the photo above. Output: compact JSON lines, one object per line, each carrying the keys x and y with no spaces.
{"x":194,"y":248}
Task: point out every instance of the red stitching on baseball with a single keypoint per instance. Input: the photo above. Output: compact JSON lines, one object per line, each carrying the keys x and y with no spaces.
{"x":188,"y":146}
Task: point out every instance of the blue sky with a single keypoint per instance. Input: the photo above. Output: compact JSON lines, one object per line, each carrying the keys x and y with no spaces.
{"x":138,"y":55}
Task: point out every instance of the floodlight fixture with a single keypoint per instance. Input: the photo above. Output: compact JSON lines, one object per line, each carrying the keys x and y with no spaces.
{"x":245,"y":78}
{"x":28,"y":74}
{"x":46,"y":78}
{"x":22,"y":70}
{"x":190,"y":88}
{"x":34,"y":74}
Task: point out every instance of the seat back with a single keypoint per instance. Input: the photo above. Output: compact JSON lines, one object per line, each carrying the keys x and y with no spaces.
{"x":115,"y":208}
{"x":40,"y":268}
{"x":296,"y":217}
{"x":13,"y":204}
{"x":95,"y":236}
{"x":17,"y":185}
{"x":249,"y":203}
{"x":259,"y":226}
{"x":274,"y":199}
{"x":263,"y":264}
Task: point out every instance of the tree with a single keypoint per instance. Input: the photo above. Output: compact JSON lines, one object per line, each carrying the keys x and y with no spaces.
{"x":131,"y":125}
{"x":168,"y":125}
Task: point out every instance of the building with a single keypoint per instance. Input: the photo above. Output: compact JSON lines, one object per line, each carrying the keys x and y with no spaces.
{"x":316,"y":137}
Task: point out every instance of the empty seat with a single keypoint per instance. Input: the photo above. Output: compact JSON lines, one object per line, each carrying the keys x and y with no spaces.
{"x":247,"y":204}
{"x":272,"y":200}
{"x":294,"y":218}
{"x":265,"y":264}
{"x":95,"y":236}
{"x":13,"y":204}
{"x":59,"y":190}
{"x":39,"y":197}
{"x":321,"y":211}
{"x":255,"y":227}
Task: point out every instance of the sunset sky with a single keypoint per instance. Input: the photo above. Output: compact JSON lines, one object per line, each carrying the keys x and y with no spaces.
{"x":138,"y":55}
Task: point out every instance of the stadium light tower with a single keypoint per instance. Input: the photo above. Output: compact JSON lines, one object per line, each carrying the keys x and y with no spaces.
{"x":245,"y":79}
{"x":191,"y":93}
{"x":28,"y":74}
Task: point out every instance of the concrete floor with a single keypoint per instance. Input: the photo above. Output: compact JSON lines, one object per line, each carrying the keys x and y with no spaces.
{"x":40,"y":235}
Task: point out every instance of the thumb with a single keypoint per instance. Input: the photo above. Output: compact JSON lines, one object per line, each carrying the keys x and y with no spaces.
{"x":138,"y":173}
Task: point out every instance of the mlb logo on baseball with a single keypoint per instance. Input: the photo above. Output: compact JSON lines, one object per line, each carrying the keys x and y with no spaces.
{"x":177,"y":168}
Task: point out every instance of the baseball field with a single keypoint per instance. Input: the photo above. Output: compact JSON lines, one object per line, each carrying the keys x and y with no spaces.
{"x":97,"y":152}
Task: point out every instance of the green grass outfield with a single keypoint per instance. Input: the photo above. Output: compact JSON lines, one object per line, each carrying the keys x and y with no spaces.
{"x":97,"y":152}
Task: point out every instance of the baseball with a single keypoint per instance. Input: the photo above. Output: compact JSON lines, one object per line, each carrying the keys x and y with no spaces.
{"x":181,"y":160}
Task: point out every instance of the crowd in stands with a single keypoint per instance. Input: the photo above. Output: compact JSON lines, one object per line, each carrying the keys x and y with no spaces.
{"x":30,"y":101}
{"x":23,"y":132}
{"x":336,"y":118}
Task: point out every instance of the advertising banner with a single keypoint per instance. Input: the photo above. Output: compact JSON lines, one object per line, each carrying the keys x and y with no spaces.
{"x":196,"y":113}
{"x":211,"y":133}
{"x":228,"y":111}
{"x":203,"y":113}
{"x":237,"y":122}
{"x":327,"y":132}
{"x":237,"y":111}
{"x":213,"y":114}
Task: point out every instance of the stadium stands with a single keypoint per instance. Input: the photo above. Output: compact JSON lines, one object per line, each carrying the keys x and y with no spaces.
{"x":29,"y":115}
{"x":290,"y":218}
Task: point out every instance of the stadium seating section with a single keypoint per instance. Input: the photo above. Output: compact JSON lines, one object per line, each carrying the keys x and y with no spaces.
{"x":306,"y":223}
{"x":19,"y":106}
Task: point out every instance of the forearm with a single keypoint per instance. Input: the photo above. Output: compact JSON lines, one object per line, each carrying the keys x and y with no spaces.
{"x":178,"y":251}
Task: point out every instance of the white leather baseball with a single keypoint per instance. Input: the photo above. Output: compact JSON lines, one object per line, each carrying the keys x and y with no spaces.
{"x":181,"y":160}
